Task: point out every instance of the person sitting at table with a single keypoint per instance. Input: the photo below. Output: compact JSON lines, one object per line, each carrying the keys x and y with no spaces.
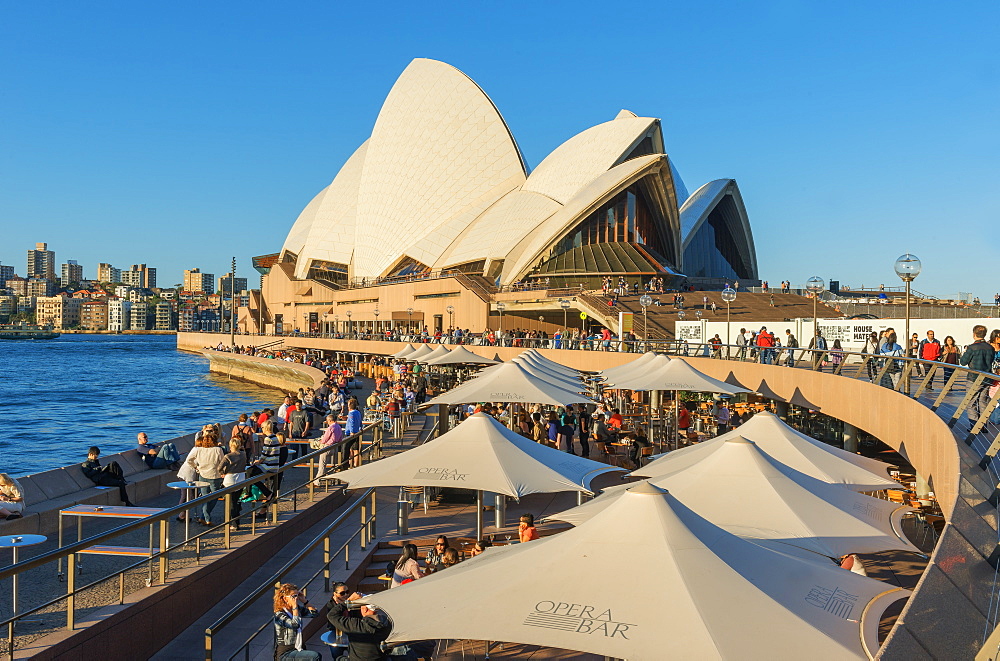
{"x":435,"y":557}
{"x":290,"y":606}
{"x":407,"y":568}
{"x":11,"y":498}
{"x":615,"y":419}
{"x":157,"y":455}
{"x":449,"y":559}
{"x":639,"y":441}
{"x":480,"y":546}
{"x":600,"y":433}
{"x":526,"y":530}
{"x":105,"y":476}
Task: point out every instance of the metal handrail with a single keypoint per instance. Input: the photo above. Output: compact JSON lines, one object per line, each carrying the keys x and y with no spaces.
{"x":366,"y":530}
{"x":69,"y":552}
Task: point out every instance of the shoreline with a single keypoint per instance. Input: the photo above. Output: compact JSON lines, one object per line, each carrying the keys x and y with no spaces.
{"x":107,"y":332}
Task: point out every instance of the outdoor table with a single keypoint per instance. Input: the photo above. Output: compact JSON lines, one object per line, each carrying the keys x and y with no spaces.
{"x":112,"y":511}
{"x":187,"y":486}
{"x":14,"y":542}
{"x":334,"y":641}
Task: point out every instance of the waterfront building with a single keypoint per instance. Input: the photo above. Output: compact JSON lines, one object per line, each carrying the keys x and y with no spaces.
{"x":119,"y":315}
{"x":122,"y":291}
{"x":71,"y":273}
{"x":168,"y":294}
{"x":8,"y":307}
{"x":94,"y":315}
{"x":225,"y":287}
{"x":108,"y":273}
{"x":41,"y":287}
{"x":58,"y":311}
{"x":440,"y":191}
{"x":139,"y":295}
{"x":166,"y":316}
{"x":139,"y":276}
{"x":6,"y":272}
{"x":139,"y":316}
{"x":42,"y":262}
{"x":196,"y":281}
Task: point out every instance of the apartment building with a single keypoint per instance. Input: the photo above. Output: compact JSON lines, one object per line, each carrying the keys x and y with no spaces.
{"x":59,"y":311}
{"x":94,"y":315}
{"x":119,"y":315}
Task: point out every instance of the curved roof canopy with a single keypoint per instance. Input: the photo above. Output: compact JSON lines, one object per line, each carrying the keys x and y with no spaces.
{"x":714,"y":219}
{"x":441,"y":184}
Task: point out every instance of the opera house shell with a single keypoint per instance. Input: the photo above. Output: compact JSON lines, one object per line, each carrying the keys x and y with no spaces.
{"x":441,"y":185}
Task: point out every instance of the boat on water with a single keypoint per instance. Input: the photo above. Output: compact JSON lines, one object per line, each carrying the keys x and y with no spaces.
{"x":26,"y":332}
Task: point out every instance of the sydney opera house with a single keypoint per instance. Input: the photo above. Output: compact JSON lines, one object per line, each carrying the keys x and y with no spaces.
{"x":441,"y":188}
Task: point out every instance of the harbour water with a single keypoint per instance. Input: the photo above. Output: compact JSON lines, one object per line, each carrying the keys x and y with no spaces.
{"x":58,"y":397}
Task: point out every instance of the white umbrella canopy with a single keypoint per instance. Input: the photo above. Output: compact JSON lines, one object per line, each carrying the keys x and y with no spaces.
{"x":419,"y":353}
{"x":568,"y":382}
{"x":538,"y":358}
{"x":787,"y":446}
{"x":482,"y":454}
{"x":439,"y":352}
{"x":461,"y":356}
{"x":510,"y":382}
{"x":703,"y":593}
{"x":405,"y":351}
{"x":612,"y":373}
{"x":672,"y":374}
{"x":743,"y":490}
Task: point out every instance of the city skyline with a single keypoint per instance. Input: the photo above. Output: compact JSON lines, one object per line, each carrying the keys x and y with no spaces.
{"x":851,"y":148}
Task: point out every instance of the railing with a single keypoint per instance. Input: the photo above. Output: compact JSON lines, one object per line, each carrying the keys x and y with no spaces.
{"x":159,"y":559}
{"x":365,"y":533}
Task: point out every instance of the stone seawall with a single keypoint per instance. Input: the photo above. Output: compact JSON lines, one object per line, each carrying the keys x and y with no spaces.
{"x":279,"y":374}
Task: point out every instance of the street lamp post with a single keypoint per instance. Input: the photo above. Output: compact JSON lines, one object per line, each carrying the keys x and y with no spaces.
{"x":728,"y":295}
{"x":565,"y":305}
{"x":349,"y":328}
{"x":815,"y":285}
{"x":501,"y":306}
{"x":326,"y":323}
{"x":907,"y":267}
{"x":409,"y":321}
{"x":645,"y":301}
{"x":451,"y":317}
{"x":336,"y":324}
{"x":375,"y":312}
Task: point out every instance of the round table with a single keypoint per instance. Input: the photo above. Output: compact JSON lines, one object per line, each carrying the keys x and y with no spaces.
{"x":331,"y":639}
{"x":187,"y":486}
{"x":15,"y":542}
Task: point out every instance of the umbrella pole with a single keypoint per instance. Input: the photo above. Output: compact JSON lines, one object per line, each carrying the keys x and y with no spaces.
{"x":677,"y":420}
{"x":650,"y":434}
{"x":479,"y":514}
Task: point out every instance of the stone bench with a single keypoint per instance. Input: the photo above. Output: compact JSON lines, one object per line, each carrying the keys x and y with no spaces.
{"x":50,"y":491}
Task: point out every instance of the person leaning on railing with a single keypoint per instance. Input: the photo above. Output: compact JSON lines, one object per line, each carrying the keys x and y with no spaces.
{"x":978,"y":356}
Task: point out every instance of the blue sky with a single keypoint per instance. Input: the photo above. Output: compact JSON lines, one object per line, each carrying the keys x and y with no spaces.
{"x":180,"y":134}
